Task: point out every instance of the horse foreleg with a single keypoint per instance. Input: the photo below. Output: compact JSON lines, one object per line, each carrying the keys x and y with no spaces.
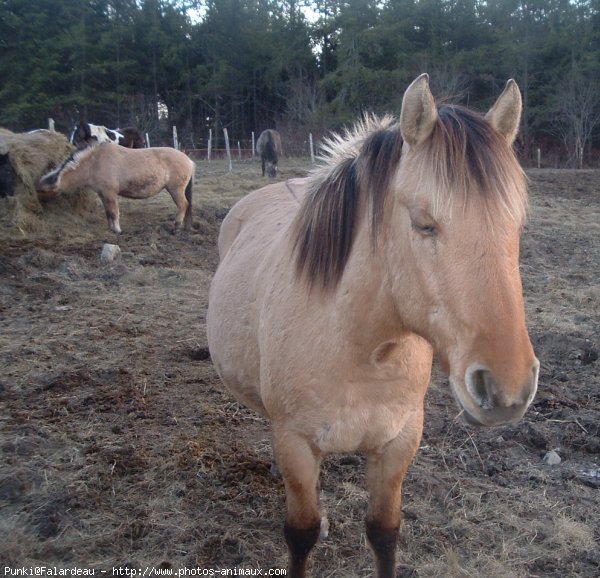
{"x":111,"y":206}
{"x":299,"y":467}
{"x":386,"y":469}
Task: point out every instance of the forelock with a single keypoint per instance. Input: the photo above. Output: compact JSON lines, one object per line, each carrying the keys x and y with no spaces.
{"x":466,"y":159}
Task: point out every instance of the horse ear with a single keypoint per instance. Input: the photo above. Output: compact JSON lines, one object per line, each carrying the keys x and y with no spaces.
{"x":505,"y":115}
{"x":419,"y":114}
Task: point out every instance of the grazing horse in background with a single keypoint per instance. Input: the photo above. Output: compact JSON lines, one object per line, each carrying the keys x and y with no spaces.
{"x":268,"y":147}
{"x":334,"y":292}
{"x":86,"y":133}
{"x":136,"y":174}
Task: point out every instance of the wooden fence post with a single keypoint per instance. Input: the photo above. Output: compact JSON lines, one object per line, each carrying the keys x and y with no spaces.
{"x":175,"y":141}
{"x":147,"y":141}
{"x":209,"y":143}
{"x":51,"y":125}
{"x":228,"y":149}
{"x":253,"y":146}
{"x":312,"y":151}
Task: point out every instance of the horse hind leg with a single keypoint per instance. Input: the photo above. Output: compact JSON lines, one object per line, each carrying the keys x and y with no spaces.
{"x":299,"y":467}
{"x":184,"y":206}
{"x":189,"y":191}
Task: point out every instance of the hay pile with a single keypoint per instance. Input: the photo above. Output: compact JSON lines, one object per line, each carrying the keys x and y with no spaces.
{"x":32,"y":155}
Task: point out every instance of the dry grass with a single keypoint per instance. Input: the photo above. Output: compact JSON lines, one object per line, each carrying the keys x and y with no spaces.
{"x":120,"y":446}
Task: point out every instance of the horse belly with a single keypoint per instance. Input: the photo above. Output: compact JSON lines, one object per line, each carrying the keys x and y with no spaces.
{"x":141,"y":188}
{"x":231,"y":333}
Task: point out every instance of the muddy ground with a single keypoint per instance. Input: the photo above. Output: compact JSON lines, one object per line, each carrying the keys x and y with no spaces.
{"x":119,"y":447}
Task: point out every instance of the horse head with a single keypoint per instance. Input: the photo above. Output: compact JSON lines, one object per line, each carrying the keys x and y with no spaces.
{"x":461,"y":205}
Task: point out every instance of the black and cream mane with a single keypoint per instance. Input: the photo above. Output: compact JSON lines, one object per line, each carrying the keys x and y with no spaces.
{"x":463,"y":157}
{"x":70,"y":163}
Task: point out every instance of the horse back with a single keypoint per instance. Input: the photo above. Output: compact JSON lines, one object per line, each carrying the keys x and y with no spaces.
{"x":169,"y":155}
{"x":134,"y":159}
{"x":131,"y":138}
{"x":269,"y":145}
{"x":261,"y":215}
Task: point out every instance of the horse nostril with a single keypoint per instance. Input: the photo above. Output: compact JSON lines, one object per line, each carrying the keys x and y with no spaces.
{"x":480,"y":384}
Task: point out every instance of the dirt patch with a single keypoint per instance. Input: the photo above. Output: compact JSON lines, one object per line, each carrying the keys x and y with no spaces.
{"x":120,"y":447}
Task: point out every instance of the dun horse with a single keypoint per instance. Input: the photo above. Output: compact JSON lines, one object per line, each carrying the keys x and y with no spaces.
{"x":334,"y":292}
{"x":85,"y":134}
{"x":268,"y":147}
{"x":133,"y":173}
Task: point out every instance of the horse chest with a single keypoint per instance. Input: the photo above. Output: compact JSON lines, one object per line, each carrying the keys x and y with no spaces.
{"x":349,"y":416}
{"x":361,"y":428}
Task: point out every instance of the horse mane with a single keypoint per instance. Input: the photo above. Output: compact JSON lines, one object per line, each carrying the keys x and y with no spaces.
{"x":71,"y":162}
{"x":463,"y":156}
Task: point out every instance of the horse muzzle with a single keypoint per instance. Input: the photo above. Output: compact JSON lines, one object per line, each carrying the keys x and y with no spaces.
{"x":487,"y":401}
{"x":45,"y":194}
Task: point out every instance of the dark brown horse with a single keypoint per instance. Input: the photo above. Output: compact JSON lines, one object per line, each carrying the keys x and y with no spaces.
{"x":268,"y":147}
{"x":334,"y":292}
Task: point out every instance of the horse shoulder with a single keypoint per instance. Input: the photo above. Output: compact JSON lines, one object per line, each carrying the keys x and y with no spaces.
{"x":333,"y":374}
{"x":106,"y":167}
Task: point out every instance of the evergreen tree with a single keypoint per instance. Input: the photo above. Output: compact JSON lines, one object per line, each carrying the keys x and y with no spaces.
{"x":254,"y":64}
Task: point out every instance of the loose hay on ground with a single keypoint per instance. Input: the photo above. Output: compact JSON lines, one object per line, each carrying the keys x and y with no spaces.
{"x":22,"y":214}
{"x":115,"y":425}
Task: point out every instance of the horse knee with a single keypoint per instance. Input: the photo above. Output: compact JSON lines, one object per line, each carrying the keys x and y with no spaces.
{"x":383,"y":541}
{"x":300,"y":542}
{"x":324,"y":528}
{"x":113,"y":222}
{"x":181,"y":223}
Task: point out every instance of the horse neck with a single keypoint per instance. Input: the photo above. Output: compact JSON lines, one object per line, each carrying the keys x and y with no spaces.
{"x":363,"y":299}
{"x":74,"y":178}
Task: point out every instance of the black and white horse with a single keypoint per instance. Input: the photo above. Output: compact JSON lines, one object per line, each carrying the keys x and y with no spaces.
{"x":86,"y":133}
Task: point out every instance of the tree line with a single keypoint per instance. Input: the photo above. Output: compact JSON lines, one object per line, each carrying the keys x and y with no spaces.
{"x":299,"y":66}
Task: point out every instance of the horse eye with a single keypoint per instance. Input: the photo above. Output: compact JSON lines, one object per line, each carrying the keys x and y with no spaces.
{"x":428,"y":230}
{"x":422,"y":222}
